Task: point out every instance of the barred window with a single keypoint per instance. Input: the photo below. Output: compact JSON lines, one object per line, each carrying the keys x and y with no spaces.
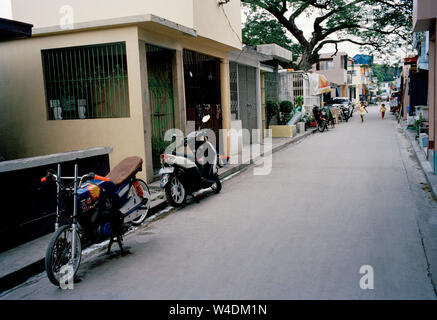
{"x":86,"y":82}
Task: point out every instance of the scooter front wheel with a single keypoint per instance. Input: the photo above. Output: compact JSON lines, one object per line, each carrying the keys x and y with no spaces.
{"x":321,"y":126}
{"x":60,"y":267}
{"x":217,"y":185}
{"x":175,"y":192}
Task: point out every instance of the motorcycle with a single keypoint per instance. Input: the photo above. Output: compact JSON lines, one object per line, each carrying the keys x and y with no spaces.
{"x":322,"y":118}
{"x":90,"y":210}
{"x":187,"y":173}
{"x":344,"y":111}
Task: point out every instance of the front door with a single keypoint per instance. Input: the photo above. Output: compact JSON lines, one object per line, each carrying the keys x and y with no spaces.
{"x":247,"y":99}
{"x":160,"y":79}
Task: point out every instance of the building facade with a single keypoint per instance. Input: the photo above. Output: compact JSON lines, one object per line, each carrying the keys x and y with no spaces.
{"x":335,"y":69}
{"x":425,"y":20}
{"x":115,"y":74}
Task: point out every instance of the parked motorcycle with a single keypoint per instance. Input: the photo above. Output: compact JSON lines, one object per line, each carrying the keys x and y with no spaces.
{"x":90,"y":210}
{"x":187,"y":173}
{"x":344,"y":112}
{"x":322,"y":117}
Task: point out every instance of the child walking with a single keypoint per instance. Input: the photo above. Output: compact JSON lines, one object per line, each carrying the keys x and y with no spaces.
{"x":362,"y":111}
{"x":382,"y":109}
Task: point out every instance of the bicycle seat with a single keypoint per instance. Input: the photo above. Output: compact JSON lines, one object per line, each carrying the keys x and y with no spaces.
{"x":125,"y":169}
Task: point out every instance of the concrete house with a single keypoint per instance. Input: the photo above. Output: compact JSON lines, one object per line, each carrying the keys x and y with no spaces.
{"x":116,"y":74}
{"x":361,"y":73}
{"x":253,"y":82}
{"x":245,"y":82}
{"x":334,"y":68}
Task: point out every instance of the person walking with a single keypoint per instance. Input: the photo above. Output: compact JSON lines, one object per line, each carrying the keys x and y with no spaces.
{"x":383,"y":110}
{"x":362,"y":111}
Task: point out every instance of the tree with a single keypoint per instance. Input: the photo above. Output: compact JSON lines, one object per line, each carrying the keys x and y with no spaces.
{"x":260,"y":29}
{"x":379,"y":26}
{"x":384,"y":72}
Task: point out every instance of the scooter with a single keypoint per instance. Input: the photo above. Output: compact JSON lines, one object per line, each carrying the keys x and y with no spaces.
{"x":184,"y":174}
{"x":322,"y":118}
{"x":90,"y":210}
{"x":345,"y":113}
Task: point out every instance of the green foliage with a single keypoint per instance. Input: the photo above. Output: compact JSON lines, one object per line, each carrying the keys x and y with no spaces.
{"x":299,"y":101}
{"x":260,"y":29}
{"x":380,"y":27}
{"x":418,"y":124}
{"x":286,"y":107}
{"x":272,"y":109}
{"x":384,"y":72}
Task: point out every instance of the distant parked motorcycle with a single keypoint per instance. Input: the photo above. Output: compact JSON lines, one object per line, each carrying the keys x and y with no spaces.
{"x":184,"y":174}
{"x":322,"y":117}
{"x":92,"y":209}
{"x":344,"y":112}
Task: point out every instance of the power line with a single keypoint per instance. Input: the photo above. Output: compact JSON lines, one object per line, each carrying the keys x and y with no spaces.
{"x":230,"y":25}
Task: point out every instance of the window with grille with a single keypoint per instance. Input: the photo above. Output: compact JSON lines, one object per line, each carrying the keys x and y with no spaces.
{"x":325,"y":64}
{"x":86,"y":82}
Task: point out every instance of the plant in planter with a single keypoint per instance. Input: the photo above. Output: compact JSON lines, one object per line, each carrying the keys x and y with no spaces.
{"x":272,"y":109}
{"x":299,"y":101}
{"x":418,"y":125}
{"x":311,"y":121}
{"x":286,"y":108}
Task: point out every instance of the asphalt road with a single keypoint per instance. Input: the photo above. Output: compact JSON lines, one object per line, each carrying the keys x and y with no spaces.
{"x":333,"y":203}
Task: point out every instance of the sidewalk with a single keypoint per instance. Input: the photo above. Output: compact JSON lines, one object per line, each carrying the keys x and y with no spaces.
{"x":21,"y":263}
{"x":421,"y":158}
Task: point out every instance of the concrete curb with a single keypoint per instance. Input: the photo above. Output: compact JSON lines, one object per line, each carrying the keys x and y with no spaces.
{"x":20,"y":276}
{"x":431,"y":178}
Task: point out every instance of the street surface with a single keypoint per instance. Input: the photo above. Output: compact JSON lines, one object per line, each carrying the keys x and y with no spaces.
{"x":334,"y":202}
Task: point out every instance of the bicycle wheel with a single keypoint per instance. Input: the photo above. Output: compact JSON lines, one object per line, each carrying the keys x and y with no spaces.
{"x":60,"y":267}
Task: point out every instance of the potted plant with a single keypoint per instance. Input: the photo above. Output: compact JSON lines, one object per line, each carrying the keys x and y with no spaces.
{"x":299,"y":102}
{"x":272,"y":109}
{"x":286,"y":108}
{"x":311,"y":121}
{"x":418,"y":125}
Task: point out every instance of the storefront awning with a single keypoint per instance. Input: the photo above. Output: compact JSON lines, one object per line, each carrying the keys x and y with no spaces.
{"x":319,"y":84}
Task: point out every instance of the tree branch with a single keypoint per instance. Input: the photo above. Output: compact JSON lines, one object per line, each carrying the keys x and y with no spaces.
{"x":365,"y":43}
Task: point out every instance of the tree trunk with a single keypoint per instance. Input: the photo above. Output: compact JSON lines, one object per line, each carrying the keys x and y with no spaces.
{"x":307,"y":60}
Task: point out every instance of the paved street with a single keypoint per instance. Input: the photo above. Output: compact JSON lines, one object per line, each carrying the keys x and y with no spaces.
{"x":334,"y":202}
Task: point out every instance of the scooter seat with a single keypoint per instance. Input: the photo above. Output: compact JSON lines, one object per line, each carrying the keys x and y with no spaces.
{"x":125,"y":169}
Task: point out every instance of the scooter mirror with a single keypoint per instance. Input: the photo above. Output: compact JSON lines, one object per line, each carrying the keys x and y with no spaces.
{"x":206,"y":118}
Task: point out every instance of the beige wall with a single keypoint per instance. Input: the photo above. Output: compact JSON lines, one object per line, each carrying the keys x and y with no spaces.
{"x":218,"y":23}
{"x":221,"y":23}
{"x":46,"y":13}
{"x":24,"y":128}
{"x":338,"y":75}
{"x":202,"y":45}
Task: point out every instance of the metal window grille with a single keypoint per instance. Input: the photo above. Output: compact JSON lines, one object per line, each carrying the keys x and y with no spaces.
{"x":86,"y":82}
{"x":271,"y":86}
{"x":233,"y":71}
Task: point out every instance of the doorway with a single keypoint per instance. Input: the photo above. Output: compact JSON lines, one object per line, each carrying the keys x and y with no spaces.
{"x":160,"y":81}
